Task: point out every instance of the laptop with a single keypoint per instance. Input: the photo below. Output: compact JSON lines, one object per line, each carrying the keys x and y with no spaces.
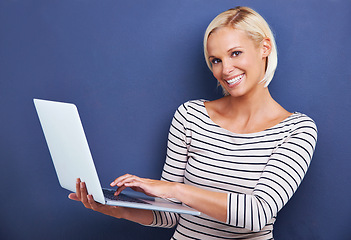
{"x":72,"y":159}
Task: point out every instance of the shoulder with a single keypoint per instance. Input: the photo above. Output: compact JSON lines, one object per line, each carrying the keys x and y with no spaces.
{"x":301,"y":123}
{"x":192,"y":105}
{"x":301,"y":119}
{"x":190,"y":111}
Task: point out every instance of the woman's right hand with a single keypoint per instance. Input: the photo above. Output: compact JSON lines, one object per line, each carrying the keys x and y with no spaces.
{"x":141,"y":216}
{"x":88,"y":201}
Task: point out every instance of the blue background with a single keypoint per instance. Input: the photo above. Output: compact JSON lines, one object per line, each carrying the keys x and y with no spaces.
{"x":128,"y":65}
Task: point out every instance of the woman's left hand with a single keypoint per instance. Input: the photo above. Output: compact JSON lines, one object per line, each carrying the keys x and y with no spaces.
{"x":211,"y":203}
{"x":153,"y":188}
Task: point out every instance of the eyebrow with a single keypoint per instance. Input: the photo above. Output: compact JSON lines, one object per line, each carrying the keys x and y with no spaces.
{"x":232,"y":49}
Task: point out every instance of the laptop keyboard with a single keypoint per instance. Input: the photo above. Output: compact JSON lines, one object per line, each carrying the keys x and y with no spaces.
{"x":121,"y":197}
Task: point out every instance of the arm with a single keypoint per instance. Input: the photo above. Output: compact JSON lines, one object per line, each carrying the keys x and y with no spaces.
{"x":281,"y":177}
{"x":211,"y":203}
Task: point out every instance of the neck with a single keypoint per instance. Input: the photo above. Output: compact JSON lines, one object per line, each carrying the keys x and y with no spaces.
{"x":246,"y":114}
{"x":250,"y":106}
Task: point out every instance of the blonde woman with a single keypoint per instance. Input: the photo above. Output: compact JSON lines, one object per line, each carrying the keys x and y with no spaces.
{"x":238,"y":159}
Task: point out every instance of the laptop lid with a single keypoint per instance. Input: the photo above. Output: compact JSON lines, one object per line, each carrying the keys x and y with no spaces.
{"x":68,"y":146}
{"x":72,"y":159}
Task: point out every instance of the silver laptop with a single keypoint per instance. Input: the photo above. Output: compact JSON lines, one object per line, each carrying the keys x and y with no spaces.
{"x":72,"y":159}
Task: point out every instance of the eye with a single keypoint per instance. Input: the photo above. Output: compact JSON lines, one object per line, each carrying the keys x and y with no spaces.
{"x":236,"y":53}
{"x":215,"y":60}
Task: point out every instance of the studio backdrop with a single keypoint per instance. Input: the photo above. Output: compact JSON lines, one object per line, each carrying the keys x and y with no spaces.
{"x":128,"y":65}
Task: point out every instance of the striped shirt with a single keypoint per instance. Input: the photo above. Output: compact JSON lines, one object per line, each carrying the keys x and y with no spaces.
{"x":259,"y":171}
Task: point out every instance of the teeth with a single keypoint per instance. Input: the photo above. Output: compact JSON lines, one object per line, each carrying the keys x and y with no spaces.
{"x":236,"y":79}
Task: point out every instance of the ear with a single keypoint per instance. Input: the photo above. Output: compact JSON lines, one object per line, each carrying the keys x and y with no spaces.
{"x":266,"y":47}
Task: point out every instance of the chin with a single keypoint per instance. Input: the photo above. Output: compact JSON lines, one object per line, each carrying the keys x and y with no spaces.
{"x":236,"y":93}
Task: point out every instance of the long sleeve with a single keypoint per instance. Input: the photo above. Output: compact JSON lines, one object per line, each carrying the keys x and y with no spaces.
{"x":259,"y":172}
{"x":176,"y":159}
{"x":280,"y":179}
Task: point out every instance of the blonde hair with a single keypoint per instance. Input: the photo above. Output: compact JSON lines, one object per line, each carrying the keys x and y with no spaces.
{"x":254,"y":25}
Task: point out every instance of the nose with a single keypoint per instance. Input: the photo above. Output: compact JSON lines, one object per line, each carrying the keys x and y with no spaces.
{"x":228,"y":67}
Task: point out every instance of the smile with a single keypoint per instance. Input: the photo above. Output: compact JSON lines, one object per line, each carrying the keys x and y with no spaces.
{"x":236,"y":80}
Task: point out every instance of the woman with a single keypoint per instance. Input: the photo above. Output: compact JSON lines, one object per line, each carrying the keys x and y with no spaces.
{"x":238,"y":159}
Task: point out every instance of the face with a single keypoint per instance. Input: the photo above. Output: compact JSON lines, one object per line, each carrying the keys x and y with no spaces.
{"x":238,"y":63}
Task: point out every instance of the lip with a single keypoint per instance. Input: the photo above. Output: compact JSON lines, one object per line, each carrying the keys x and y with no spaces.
{"x":235,"y":81}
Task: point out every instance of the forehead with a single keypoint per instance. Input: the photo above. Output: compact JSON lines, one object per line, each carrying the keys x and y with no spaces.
{"x":226,"y":38}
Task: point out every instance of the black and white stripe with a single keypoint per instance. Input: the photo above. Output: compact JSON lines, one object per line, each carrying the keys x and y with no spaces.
{"x":259,"y":171}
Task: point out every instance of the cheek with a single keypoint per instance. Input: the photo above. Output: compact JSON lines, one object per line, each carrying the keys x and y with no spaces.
{"x":249,"y":65}
{"x":217,"y":73}
{"x":245,"y":63}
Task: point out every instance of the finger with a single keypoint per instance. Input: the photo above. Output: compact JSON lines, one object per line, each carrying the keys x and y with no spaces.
{"x":105,"y":209}
{"x":78,"y":188}
{"x":114,"y":182}
{"x":119,"y":190}
{"x":83,"y":195}
{"x":93,"y":205}
{"x":73,"y":196}
{"x":136,"y":186}
{"x":120,"y":179}
{"x":131,"y":181}
{"x":128,"y":180}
